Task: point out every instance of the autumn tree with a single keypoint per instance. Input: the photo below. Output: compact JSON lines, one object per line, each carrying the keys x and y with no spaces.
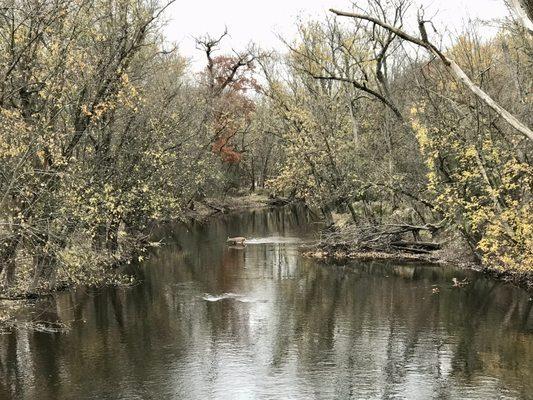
{"x":230,"y":84}
{"x":98,"y":137}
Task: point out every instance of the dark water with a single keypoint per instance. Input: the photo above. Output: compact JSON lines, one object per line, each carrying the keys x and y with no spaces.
{"x":212,"y":322}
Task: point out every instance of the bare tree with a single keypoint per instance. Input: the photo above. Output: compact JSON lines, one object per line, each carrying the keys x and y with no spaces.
{"x":448,"y":63}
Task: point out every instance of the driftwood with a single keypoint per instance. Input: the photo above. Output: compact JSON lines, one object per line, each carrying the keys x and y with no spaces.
{"x":416,"y":247}
{"x":217,"y":209}
{"x":383,"y":238}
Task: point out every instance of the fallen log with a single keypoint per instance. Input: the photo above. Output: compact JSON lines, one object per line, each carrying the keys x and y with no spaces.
{"x":217,"y":209}
{"x":417,"y":245}
{"x":412,"y":250}
{"x":391,"y":238}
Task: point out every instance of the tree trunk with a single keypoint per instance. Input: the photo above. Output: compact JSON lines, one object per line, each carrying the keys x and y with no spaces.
{"x":99,"y":238}
{"x":7,"y":260}
{"x":352,"y":211}
{"x":524,"y":12}
{"x":112,"y":237}
{"x":45,"y":270}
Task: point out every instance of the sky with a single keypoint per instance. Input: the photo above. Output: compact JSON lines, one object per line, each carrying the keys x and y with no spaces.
{"x":261,"y":21}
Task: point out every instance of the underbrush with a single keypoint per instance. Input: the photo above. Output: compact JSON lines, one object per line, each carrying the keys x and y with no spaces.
{"x":77,"y":265}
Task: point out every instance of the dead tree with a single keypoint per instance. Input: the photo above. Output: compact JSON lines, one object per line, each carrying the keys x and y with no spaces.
{"x":390,"y":238}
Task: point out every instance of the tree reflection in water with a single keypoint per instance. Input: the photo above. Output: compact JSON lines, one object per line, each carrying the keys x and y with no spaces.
{"x":292,"y":328}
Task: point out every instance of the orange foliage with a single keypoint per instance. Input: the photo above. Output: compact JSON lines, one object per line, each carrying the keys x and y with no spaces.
{"x":233,"y":109}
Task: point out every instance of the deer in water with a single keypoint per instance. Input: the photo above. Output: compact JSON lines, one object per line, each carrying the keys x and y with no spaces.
{"x":238,"y":240}
{"x":457,"y":283}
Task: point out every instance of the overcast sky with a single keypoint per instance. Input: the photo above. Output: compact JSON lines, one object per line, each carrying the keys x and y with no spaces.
{"x":261,"y":20}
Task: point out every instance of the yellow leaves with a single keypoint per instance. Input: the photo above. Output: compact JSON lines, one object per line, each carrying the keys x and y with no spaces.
{"x":126,"y":165}
{"x":471,"y":52}
{"x":125,"y":79}
{"x":508,"y":239}
{"x":128,"y":96}
{"x":85,"y":110}
{"x":14,"y":134}
{"x":470,"y":152}
{"x":421,"y":133}
{"x":477,"y":182}
{"x":101,"y":108}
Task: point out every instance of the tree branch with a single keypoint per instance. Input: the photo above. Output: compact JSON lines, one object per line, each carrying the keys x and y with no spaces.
{"x":524,"y":12}
{"x":452,"y":67}
{"x":364,"y":89}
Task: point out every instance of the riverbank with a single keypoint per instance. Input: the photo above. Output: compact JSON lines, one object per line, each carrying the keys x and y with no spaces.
{"x":453,"y":253}
{"x":444,"y":257}
{"x":266,"y":303}
{"x":204,"y":209}
{"x":82,"y":265}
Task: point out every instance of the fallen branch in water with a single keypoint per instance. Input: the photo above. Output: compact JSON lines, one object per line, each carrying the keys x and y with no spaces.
{"x":382,"y":238}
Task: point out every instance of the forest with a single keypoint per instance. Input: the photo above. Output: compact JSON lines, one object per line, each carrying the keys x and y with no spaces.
{"x":371,"y":117}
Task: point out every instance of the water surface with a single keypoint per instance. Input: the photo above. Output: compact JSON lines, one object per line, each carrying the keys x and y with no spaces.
{"x":210,"y":321}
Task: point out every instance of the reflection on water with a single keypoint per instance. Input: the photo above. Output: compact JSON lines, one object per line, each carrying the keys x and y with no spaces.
{"x":273,"y":240}
{"x":213,"y":322}
{"x":231,"y":296}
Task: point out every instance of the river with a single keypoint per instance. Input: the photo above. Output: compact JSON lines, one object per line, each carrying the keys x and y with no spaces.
{"x":208,"y":321}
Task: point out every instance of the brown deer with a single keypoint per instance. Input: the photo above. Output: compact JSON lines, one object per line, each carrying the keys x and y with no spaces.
{"x":238,"y":240}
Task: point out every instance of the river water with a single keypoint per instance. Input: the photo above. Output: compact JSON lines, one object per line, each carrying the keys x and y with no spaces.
{"x":208,"y":321}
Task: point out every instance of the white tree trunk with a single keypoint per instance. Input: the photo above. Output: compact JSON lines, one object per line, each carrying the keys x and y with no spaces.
{"x":520,"y":8}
